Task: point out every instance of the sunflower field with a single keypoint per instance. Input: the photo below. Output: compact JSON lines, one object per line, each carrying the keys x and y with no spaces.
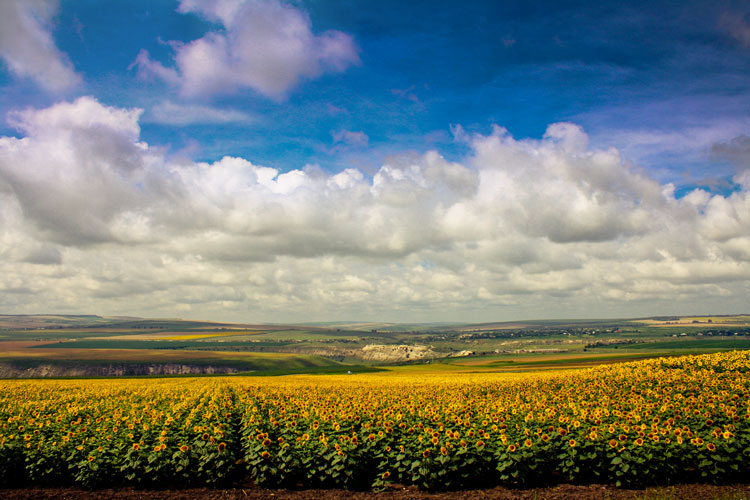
{"x":665,"y":420}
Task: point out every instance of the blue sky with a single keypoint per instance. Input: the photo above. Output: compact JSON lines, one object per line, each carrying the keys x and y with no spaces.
{"x":315,"y":89}
{"x":615,"y":70}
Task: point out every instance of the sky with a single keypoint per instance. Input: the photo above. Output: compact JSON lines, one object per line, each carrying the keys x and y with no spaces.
{"x":422,"y":161}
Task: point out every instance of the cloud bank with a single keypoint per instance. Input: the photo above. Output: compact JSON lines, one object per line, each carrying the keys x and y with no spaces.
{"x":267,"y":46}
{"x":27,"y":48}
{"x":94,"y":219}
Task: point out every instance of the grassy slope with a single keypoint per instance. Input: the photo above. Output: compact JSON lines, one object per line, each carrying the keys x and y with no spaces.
{"x":272,"y":363}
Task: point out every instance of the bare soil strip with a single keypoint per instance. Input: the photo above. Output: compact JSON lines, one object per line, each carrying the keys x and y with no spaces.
{"x":559,"y":492}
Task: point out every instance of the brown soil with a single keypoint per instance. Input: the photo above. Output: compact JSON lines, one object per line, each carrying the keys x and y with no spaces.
{"x":559,"y":492}
{"x":15,"y":345}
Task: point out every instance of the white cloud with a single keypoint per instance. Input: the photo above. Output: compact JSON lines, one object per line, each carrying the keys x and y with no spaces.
{"x":79,"y":167}
{"x":682,"y":145}
{"x":92,"y":216}
{"x":84,"y":113}
{"x":695,"y":140}
{"x":148,"y":67}
{"x":350,"y":138}
{"x":27,"y":47}
{"x":267,"y":46}
{"x":181,"y":115}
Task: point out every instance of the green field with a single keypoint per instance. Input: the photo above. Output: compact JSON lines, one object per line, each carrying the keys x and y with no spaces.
{"x":727,"y":343}
{"x":34,"y":341}
{"x":165,"y":344}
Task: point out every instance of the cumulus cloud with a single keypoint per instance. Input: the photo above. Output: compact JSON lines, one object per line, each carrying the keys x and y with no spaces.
{"x":92,"y":216}
{"x":267,"y":46}
{"x":27,"y":48}
{"x":78,"y":170}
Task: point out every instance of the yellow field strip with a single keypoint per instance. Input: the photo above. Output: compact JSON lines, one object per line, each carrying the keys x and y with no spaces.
{"x":196,"y":336}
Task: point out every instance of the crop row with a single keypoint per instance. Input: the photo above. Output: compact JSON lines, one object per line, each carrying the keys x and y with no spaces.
{"x":671,"y":420}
